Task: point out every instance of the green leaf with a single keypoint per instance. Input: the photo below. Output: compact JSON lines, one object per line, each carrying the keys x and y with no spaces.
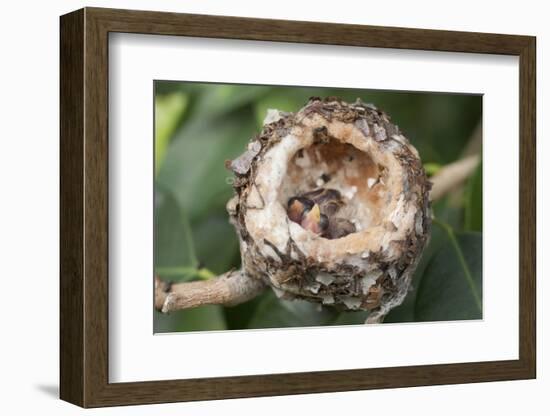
{"x":282,"y":99}
{"x":473,"y":207}
{"x":204,"y":318}
{"x":272,"y":312}
{"x":450,"y":211}
{"x":239,"y":316}
{"x":216,"y":243}
{"x":174,"y":251}
{"x":185,"y":273}
{"x":216,"y":100}
{"x":349,"y":318}
{"x":432,"y":168}
{"x":406,"y":311}
{"x":169,"y":87}
{"x":173,"y":241}
{"x":169,"y":110}
{"x":194,"y":167}
{"x":451,"y":288}
{"x":278,"y":313}
{"x":438,"y":238}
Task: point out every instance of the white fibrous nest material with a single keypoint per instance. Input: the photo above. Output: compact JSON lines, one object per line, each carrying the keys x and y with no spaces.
{"x":354,"y":151}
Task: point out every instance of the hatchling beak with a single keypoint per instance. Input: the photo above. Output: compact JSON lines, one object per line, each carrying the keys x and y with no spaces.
{"x":314,"y":221}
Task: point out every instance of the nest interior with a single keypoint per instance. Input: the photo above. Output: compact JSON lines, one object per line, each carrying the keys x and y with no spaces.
{"x":369,"y":178}
{"x":362,"y":182}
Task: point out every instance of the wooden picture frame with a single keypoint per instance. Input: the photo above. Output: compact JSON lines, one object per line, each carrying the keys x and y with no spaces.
{"x":84,"y":207}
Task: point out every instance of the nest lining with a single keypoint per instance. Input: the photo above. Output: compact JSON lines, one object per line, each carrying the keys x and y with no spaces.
{"x":362,"y":182}
{"x":368,"y":178}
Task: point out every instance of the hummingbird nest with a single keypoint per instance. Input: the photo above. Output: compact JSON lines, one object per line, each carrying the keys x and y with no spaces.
{"x":332,"y":206}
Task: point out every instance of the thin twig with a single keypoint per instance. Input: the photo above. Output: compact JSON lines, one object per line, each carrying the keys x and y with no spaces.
{"x":228,"y":289}
{"x":473,"y":146}
{"x":452,"y":175}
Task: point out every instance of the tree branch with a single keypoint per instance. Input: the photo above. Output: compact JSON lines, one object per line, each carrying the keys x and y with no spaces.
{"x":452,"y":175}
{"x":228,"y":289}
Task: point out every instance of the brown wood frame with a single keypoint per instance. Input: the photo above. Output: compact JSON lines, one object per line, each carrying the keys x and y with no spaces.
{"x":84,"y":207}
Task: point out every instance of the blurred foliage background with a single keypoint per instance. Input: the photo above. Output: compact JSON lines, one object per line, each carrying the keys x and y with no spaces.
{"x":199,"y":126}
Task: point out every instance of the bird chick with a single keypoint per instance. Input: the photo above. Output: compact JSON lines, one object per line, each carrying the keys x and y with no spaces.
{"x":329,"y":200}
{"x":338,"y":228}
{"x":315,"y":211}
{"x":314,"y":221}
{"x":297,"y":206}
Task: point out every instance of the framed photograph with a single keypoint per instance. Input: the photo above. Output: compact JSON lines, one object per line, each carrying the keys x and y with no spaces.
{"x":255,"y":207}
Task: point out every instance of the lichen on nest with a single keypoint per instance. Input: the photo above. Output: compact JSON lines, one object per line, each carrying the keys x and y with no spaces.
{"x":358,"y":247}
